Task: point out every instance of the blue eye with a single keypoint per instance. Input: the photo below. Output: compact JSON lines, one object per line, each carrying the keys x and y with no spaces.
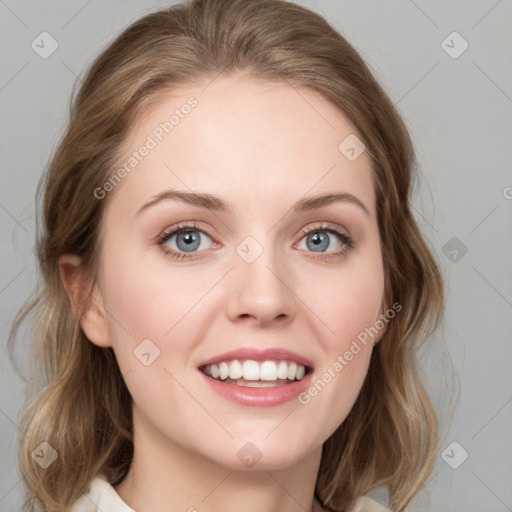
{"x":188,"y":241}
{"x":319,"y":241}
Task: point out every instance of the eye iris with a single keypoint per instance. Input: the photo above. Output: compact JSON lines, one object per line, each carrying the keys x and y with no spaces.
{"x":191,"y":240}
{"x":320,"y":240}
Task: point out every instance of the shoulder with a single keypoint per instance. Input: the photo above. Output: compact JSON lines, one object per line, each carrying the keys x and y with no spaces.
{"x":100,"y":497}
{"x":366,"y":504}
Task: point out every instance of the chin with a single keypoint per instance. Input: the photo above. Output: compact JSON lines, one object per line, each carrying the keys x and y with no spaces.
{"x":277,"y":452}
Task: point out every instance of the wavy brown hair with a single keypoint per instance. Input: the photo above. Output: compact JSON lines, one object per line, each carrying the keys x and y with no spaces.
{"x":390,"y":436}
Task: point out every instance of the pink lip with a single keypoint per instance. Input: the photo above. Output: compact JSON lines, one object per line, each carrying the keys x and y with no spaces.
{"x":269,"y":354}
{"x":259,"y":397}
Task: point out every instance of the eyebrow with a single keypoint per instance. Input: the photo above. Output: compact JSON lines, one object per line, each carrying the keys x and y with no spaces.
{"x":212,"y":202}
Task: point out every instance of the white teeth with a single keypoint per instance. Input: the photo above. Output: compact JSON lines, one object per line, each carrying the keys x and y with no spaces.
{"x":235,"y":370}
{"x":282,"y":370}
{"x":223,"y":370}
{"x":292,"y":370}
{"x":250,"y":371}
{"x":268,"y":371}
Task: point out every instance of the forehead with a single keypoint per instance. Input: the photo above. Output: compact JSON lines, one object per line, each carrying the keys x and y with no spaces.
{"x":245,"y":140}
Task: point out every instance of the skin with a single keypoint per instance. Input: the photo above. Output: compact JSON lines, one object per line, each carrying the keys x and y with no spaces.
{"x":261,"y":146}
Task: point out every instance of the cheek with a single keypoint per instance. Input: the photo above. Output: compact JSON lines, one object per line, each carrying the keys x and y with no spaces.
{"x":348,"y":303}
{"x":148,"y":301}
{"x":350,"y":308}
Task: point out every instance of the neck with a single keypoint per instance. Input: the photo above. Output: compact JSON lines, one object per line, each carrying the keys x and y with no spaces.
{"x":166,"y":476}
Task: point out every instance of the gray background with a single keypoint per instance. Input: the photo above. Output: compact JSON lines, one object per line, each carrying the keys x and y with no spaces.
{"x":459,"y":112}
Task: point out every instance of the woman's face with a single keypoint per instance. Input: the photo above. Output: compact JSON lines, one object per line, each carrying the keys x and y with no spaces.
{"x":247,"y":276}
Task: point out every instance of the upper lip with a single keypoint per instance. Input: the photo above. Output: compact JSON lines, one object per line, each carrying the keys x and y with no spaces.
{"x":267,"y":354}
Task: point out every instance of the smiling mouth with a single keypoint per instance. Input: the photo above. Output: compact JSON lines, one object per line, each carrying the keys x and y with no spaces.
{"x":261,"y":374}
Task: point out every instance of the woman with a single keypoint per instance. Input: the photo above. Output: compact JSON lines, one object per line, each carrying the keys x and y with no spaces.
{"x":234,"y":285}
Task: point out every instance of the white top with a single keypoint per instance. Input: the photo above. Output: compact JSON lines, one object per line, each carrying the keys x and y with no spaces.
{"x":102,"y":497}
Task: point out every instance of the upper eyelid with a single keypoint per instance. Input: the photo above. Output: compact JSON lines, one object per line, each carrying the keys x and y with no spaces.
{"x":185,"y":226}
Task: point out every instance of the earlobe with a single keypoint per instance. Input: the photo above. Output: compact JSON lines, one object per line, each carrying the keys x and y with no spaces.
{"x":87,"y":303}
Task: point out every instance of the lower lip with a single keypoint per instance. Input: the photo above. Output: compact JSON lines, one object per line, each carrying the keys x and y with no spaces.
{"x":259,"y":397}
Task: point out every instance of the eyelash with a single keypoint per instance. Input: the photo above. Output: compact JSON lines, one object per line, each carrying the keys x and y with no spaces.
{"x":330,"y":228}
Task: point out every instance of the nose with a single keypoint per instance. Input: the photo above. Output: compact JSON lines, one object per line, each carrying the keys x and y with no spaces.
{"x":262,"y":292}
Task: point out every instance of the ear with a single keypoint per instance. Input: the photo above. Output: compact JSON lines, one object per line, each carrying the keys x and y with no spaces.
{"x":87,"y":303}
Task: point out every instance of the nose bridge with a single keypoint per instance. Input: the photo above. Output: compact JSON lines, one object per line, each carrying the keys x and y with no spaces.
{"x":260,"y":281}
